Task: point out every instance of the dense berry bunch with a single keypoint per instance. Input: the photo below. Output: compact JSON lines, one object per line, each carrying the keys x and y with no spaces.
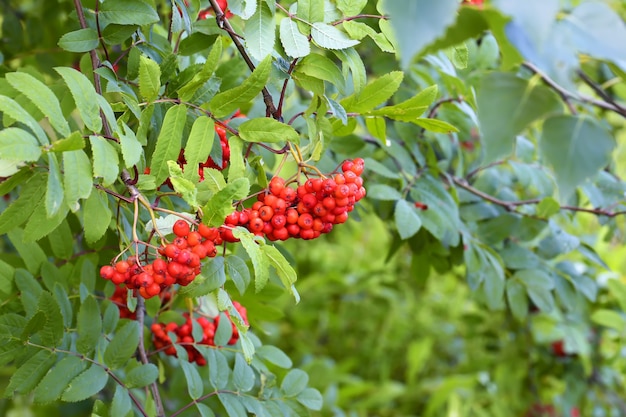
{"x":305,"y":212}
{"x":180,"y":263}
{"x":184,"y":336}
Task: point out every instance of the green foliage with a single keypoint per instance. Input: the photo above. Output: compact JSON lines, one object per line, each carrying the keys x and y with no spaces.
{"x":483,"y":273}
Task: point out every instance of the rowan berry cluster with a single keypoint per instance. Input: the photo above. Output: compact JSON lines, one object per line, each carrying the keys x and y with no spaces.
{"x":180,"y":263}
{"x":184,"y":335}
{"x":306,"y":212}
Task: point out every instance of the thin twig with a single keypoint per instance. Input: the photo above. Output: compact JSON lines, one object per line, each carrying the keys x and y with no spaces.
{"x":574,"y":96}
{"x":223,"y":23}
{"x":512,"y":205}
{"x":599,"y":90}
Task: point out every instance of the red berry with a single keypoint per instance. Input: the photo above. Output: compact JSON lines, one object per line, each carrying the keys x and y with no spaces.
{"x":171,"y":251}
{"x":279,"y":220}
{"x":256,"y":225}
{"x":305,"y":221}
{"x":107,"y":272}
{"x":266,"y":213}
{"x":309,"y":201}
{"x":276,"y":185}
{"x":194,"y":239}
{"x":181,"y":228}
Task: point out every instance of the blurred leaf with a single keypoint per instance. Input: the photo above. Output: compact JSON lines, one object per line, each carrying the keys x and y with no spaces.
{"x":54,"y":189}
{"x":11,"y":108}
{"x":77,"y":177}
{"x":375,"y":93}
{"x":259,"y":260}
{"x":294,"y":382}
{"x":408,"y":222}
{"x":285,"y":272}
{"x":609,"y":318}
{"x":267,"y":130}
{"x":18,"y":145}
{"x":329,"y":37}
{"x":89,"y":324}
{"x":54,"y":383}
{"x":506,"y":105}
{"x":30,"y":373}
{"x":576,"y":148}
{"x":419,"y":23}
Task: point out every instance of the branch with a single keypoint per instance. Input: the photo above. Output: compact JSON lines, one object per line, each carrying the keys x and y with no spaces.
{"x":605,"y":96}
{"x":224,"y":24}
{"x":567,"y":95}
{"x":512,"y":205}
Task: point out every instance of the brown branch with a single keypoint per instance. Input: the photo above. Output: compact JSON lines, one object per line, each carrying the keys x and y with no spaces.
{"x":605,"y":96}
{"x":567,"y":95}
{"x":512,"y":205}
{"x":223,"y":23}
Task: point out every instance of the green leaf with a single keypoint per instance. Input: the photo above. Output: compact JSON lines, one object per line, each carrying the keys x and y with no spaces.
{"x":122,"y":346}
{"x":259,"y":260}
{"x":18,"y":145}
{"x":188,"y":90}
{"x":127,"y":12}
{"x":375,"y":93}
{"x":195,"y":387}
{"x":105,"y":159}
{"x":294,"y":382}
{"x":12,"y":327}
{"x":259,"y":32}
{"x":73,"y":142}
{"x":243,"y":375}
{"x":183,"y":186}
{"x":204,"y":410}
{"x":85,"y":97}
{"x":238,"y":272}
{"x":28,"y":375}
{"x":353,"y":64}
{"x":86,"y":384}
{"x":295,"y":44}
{"x":329,"y":37}
{"x":609,"y":318}
{"x":12,"y":109}
{"x":267,"y":130}
{"x":539,"y":286}
{"x":408,"y":222}
{"x":226,"y":102}
{"x":30,"y":252}
{"x":274,"y":355}
{"x":169,"y":142}
{"x":31,"y":194}
{"x":383,"y":192}
{"x":77,"y":178}
{"x":548,"y":207}
{"x":311,"y":11}
{"x":285,"y":271}
{"x":52,"y":333}
{"x":419,"y":23}
{"x":576,"y":148}
{"x":54,"y":189}
{"x":81,"y":40}
{"x":506,"y":105}
{"x":40,"y":225}
{"x":42,"y":97}
{"x":96,"y":216}
{"x":221,"y":204}
{"x":442,"y":217}
{"x":199,"y":145}
{"x":237,"y":167}
{"x":351,"y":7}
{"x":131,"y":148}
{"x":319,"y":66}
{"x":149,"y":78}
{"x":121,"y":404}
{"x":224,"y":330}
{"x":232,"y":405}
{"x":377,"y":126}
{"x":142,"y":376}
{"x":311,"y":399}
{"x":518,"y":301}
{"x":52,"y":385}
{"x":596,"y":30}
{"x":89,"y":324}
{"x":435,"y":125}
